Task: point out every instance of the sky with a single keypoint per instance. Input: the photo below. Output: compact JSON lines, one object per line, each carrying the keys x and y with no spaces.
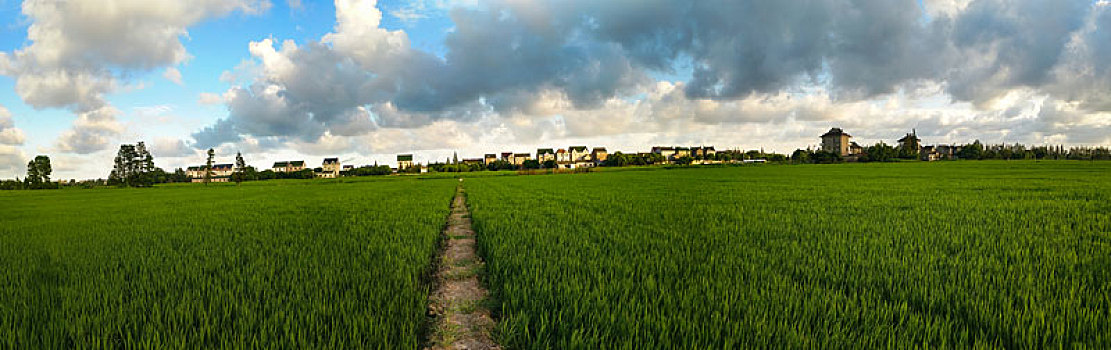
{"x":365,"y":80}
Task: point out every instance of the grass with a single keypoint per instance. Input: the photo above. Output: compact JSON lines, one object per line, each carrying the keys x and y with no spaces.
{"x":951,"y":254}
{"x":278,"y":264}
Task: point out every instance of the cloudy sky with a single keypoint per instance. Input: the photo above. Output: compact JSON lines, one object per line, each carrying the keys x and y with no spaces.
{"x":364,"y":80}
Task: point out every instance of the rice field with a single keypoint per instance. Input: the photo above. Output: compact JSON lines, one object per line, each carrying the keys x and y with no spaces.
{"x":953,"y":254}
{"x":277,"y":264}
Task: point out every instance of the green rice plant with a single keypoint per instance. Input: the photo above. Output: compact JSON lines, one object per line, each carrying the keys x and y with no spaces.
{"x":950,"y":254}
{"x":281,"y":264}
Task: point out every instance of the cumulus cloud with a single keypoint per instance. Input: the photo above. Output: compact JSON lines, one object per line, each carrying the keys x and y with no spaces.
{"x":171,"y":147}
{"x":11,"y":156}
{"x":524,"y":70}
{"x":92,"y":131}
{"x":173,"y":75}
{"x":81,"y":50}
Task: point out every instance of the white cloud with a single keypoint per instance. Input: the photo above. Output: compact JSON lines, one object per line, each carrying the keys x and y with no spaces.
{"x":92,"y":131}
{"x":171,"y":147}
{"x":173,"y":75}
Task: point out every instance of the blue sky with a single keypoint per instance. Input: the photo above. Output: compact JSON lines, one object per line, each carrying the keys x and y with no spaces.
{"x":434,"y":77}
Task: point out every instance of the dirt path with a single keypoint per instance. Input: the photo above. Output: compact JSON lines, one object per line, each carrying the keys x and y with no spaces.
{"x":461,"y":319}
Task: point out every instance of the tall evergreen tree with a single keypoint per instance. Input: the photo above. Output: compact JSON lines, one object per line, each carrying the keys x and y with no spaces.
{"x":208,"y":166}
{"x":240,"y":169}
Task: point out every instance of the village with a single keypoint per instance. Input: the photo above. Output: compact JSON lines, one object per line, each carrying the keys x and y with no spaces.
{"x":836,"y":146}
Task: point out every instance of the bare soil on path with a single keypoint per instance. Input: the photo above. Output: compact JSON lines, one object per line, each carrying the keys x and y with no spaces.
{"x":461,"y":319}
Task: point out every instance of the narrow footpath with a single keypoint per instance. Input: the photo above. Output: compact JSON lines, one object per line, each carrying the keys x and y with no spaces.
{"x":461,"y":319}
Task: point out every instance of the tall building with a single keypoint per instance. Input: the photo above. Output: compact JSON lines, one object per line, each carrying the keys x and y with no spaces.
{"x":836,"y":141}
{"x":404,"y":161}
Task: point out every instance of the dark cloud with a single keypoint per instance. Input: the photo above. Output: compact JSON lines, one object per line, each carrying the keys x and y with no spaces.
{"x":504,"y":56}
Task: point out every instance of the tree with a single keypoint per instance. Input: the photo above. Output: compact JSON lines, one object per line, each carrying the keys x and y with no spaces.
{"x":549,"y":164}
{"x":973,"y":151}
{"x":239,"y":173}
{"x":38,"y":173}
{"x":179,"y":175}
{"x":800,"y":156}
{"x":531,"y":164}
{"x":208,"y":166}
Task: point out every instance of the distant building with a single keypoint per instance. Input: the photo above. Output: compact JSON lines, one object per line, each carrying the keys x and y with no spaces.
{"x":930,"y":153}
{"x":472,"y":161}
{"x":562,"y":156}
{"x":836,"y":141}
{"x":330,"y":168}
{"x":404,"y":161}
{"x":520,"y":158}
{"x":681,"y":152}
{"x":599,"y":154}
{"x":489,"y":158}
{"x":855,"y":148}
{"x":911,"y":142}
{"x":220,"y":173}
{"x":579,"y":154}
{"x":545,"y":154}
{"x":288,"y":166}
{"x":666,"y":152}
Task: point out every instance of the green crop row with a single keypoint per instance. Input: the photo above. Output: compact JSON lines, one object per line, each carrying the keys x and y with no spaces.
{"x":287,"y":264}
{"x":986,"y":254}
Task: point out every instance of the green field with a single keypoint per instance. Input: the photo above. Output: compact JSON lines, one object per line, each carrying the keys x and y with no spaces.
{"x":948,"y":254}
{"x":290,"y":264}
{"x":953,"y":254}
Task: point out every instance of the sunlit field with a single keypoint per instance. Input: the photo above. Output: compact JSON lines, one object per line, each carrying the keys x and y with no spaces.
{"x":957,"y":254}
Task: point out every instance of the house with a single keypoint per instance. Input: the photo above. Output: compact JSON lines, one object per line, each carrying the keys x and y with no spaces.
{"x":666,"y":152}
{"x":836,"y":141}
{"x":489,"y":158}
{"x":520,"y":158}
{"x":348,"y":167}
{"x":220,"y":173}
{"x":472,"y":161}
{"x":911,"y":142}
{"x":288,"y":166}
{"x":599,"y":154}
{"x":562,"y":156}
{"x":330,"y":168}
{"x":929,"y":154}
{"x":579,"y":154}
{"x":545,"y":154}
{"x":855,"y":148}
{"x":681,"y":152}
{"x":709,"y":151}
{"x":404,"y":161}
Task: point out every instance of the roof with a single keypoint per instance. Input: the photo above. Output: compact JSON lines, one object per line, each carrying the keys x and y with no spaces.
{"x":910,"y":137}
{"x":491,"y":155}
{"x":561,"y":151}
{"x":681,"y":149}
{"x":544,"y":151}
{"x":222,"y":166}
{"x":578,"y":148}
{"x":709,"y":148}
{"x":661,"y":148}
{"x":836,"y":132}
{"x":524,"y":155}
{"x":599,"y":149}
{"x":348,"y":166}
{"x":405,"y":157}
{"x":195,"y":168}
{"x":331,"y":160}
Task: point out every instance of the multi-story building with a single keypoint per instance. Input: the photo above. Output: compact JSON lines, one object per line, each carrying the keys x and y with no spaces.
{"x":288,"y":166}
{"x":489,"y":158}
{"x":404,"y":161}
{"x":579,"y":154}
{"x":836,"y":141}
{"x":562,"y":156}
{"x":220,"y":173}
{"x":599,"y":154}
{"x":545,"y":154}
{"x":666,"y":152}
{"x":330,"y":168}
{"x":911,"y":142}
